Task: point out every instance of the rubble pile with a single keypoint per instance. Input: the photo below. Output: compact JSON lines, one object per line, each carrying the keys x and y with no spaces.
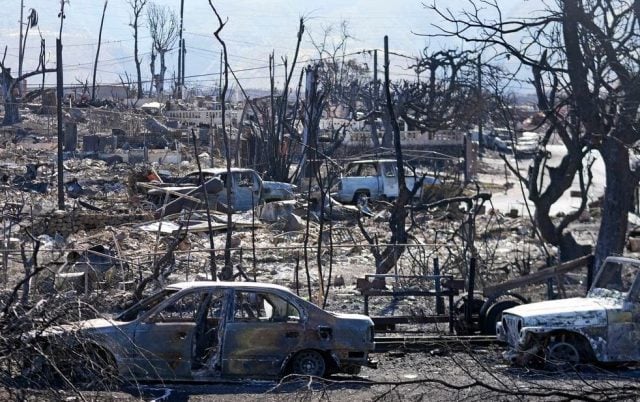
{"x":291,"y":242}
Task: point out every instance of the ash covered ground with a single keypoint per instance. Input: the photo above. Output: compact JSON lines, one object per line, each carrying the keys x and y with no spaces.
{"x":106,"y":211}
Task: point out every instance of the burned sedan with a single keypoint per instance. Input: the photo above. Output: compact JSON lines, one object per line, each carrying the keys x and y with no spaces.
{"x":602,"y":327}
{"x":203,"y":331}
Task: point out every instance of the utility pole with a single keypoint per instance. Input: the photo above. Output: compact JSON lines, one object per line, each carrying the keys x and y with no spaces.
{"x":60,"y":95}
{"x":184,"y":53}
{"x":20,"y":53}
{"x":374,"y":129}
{"x":180,"y":52}
{"x":480,"y":111}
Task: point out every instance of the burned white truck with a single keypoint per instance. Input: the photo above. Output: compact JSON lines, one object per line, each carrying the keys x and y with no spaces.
{"x":602,"y":327}
{"x":375,"y":179}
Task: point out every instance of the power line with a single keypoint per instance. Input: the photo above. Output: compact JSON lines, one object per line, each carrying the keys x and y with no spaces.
{"x":86,"y":44}
{"x":192,"y":78}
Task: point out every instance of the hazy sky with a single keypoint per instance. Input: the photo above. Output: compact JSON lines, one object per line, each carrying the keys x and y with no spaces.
{"x":254,"y":29}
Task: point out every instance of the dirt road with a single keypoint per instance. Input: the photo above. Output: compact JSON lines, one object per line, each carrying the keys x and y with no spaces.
{"x":476,"y":374}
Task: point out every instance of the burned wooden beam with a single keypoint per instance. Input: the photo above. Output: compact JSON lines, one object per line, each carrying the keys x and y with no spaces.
{"x":539,"y":276}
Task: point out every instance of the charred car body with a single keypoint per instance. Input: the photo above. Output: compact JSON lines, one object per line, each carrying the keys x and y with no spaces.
{"x":247,"y":190}
{"x":603,"y":327}
{"x":205,"y":331}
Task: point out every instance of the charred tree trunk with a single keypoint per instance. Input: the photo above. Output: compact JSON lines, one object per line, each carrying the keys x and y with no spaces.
{"x":314,"y":102}
{"x":8,"y":87}
{"x":386,"y":260}
{"x":616,"y":136}
{"x":227,"y":270}
{"x":137,"y":7}
{"x":139,"y":93}
{"x":30,"y":269}
{"x":11,"y":110}
{"x":618,"y":199}
{"x":152,"y":67}
{"x":163,"y":70}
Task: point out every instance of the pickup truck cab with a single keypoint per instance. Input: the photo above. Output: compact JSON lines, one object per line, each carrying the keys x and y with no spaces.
{"x":375,"y":179}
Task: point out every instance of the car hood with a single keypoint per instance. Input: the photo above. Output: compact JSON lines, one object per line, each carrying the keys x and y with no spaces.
{"x":578,"y":311}
{"x":93,"y":325}
{"x":96,"y":323}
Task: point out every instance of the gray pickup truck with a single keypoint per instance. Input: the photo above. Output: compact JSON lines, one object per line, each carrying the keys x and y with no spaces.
{"x":376,"y":179}
{"x":247,"y":190}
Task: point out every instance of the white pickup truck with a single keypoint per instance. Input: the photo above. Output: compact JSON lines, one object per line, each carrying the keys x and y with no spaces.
{"x":375,"y":179}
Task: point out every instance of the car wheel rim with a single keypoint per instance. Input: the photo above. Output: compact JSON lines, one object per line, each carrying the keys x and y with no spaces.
{"x":564,"y":352}
{"x":309,"y":363}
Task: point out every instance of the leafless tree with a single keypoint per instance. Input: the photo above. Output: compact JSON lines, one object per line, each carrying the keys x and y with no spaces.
{"x":387,"y":257}
{"x":32,"y":21}
{"x":358,"y":92}
{"x":344,"y":82}
{"x":586,"y":44}
{"x":9,"y":84}
{"x":446,"y":97}
{"x":152,"y":69}
{"x":127,"y":83}
{"x":331,"y":54}
{"x":136,"y":8}
{"x":163,"y":28}
{"x":445,"y":100}
{"x":273,"y":120}
{"x":545,"y":183}
{"x":227,"y":270}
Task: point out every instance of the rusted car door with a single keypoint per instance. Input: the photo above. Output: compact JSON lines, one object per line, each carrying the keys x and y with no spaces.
{"x":389,"y":179}
{"x":164,"y":339}
{"x":246,"y":190}
{"x":264,"y":328}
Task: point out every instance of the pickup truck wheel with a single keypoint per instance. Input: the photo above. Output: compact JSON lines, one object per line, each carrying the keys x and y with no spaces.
{"x":359,"y":196}
{"x":563,"y":352}
{"x":308,"y":362}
